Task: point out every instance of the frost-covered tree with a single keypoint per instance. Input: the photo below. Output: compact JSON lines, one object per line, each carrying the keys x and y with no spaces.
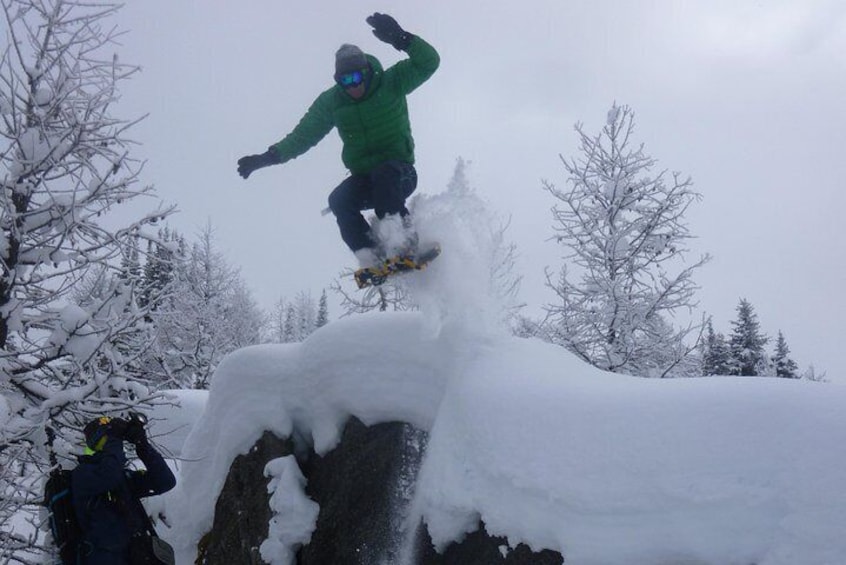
{"x":322,"y":311}
{"x":716,"y":356}
{"x":65,"y":165}
{"x":307,"y":315}
{"x":276,"y":322}
{"x":204,"y":311}
{"x":387,"y":297}
{"x":811,"y":374}
{"x":289,"y":329}
{"x":622,"y":226}
{"x":785,"y":367}
{"x":16,"y":544}
{"x":130,"y":265}
{"x":162,"y":257}
{"x":294,"y":321}
{"x":746,"y":342}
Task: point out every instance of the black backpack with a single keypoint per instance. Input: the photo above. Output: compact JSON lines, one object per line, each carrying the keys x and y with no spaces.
{"x":67,"y":535}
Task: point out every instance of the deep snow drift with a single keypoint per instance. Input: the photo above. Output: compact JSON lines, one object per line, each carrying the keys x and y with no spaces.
{"x":546,"y":450}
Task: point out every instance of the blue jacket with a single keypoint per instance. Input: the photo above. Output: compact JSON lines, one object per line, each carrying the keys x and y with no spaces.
{"x":105,"y":497}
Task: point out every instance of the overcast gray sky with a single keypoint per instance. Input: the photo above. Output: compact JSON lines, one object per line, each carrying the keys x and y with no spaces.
{"x":747,"y":97}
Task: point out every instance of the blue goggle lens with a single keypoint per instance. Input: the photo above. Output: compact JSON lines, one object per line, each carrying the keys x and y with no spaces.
{"x":351,"y":79}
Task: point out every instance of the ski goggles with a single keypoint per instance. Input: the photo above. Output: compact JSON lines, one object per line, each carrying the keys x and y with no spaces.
{"x":351,"y":79}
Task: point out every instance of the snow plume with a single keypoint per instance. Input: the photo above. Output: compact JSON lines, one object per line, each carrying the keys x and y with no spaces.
{"x":470,"y":287}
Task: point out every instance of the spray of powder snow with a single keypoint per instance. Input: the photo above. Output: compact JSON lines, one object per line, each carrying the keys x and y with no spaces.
{"x":470,"y":287}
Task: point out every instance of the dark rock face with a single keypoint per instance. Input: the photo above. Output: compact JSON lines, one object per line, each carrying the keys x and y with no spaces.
{"x":242,"y":511}
{"x":478,"y":548}
{"x":363,"y":487}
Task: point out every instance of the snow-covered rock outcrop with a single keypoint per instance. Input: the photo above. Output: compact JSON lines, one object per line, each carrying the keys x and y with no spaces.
{"x":534,"y":444}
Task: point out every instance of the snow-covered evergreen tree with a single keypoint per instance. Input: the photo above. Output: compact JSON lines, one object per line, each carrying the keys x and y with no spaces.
{"x":289,"y":329}
{"x":158,"y":271}
{"x":65,"y":165}
{"x":746,"y":343}
{"x":322,"y":311}
{"x":716,"y":356}
{"x":130,"y":265}
{"x":622,"y":226}
{"x":785,"y":367}
{"x":295,"y":320}
{"x":306,"y":315}
{"x":203,"y":311}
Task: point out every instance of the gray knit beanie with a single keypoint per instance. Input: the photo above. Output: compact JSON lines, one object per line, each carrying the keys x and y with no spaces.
{"x":350,"y":58}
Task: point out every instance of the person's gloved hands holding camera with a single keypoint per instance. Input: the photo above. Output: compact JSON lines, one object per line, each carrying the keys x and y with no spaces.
{"x":135,"y":432}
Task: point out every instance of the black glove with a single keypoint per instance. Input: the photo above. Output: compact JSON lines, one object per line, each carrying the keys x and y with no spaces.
{"x":135,"y":432}
{"x":248,"y":164}
{"x":388,"y":30}
{"x":117,"y":428}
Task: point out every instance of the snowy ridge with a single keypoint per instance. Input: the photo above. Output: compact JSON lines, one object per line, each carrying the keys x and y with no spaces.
{"x":544,"y":449}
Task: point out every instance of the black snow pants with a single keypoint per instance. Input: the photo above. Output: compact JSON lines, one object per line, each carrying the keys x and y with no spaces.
{"x":384,"y":190}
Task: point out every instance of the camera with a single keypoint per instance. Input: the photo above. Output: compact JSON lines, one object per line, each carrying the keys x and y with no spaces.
{"x":134,"y":431}
{"x":137,"y":418}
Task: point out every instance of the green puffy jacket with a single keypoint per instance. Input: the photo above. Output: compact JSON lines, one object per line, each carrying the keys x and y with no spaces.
{"x":374,"y":128}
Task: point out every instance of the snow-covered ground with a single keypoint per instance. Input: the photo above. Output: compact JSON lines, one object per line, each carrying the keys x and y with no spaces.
{"x":612,"y":469}
{"x":546,"y":450}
